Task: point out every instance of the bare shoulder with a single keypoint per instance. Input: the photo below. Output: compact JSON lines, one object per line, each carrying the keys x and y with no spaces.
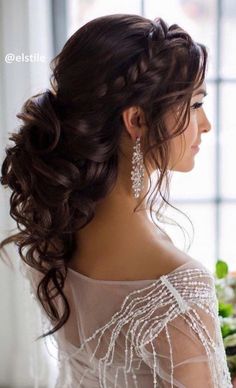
{"x":154,"y":258}
{"x":164,"y":257}
{"x":147,"y":256}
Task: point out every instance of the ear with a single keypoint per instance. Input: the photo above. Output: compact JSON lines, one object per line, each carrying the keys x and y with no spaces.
{"x":132,"y":118}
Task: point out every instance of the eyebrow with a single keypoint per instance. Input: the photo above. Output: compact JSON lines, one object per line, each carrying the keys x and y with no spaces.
{"x":201,"y":91}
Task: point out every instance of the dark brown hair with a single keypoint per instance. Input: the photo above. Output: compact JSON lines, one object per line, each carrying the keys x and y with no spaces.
{"x":65,"y":155}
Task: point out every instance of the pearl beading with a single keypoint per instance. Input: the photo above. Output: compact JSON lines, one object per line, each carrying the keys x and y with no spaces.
{"x":178,"y":292}
{"x":145,"y":314}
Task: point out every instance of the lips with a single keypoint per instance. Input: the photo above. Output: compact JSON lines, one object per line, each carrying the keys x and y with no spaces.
{"x":197,"y":145}
{"x":196,"y":148}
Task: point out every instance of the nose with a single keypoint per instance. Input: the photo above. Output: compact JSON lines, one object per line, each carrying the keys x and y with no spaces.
{"x":203,"y":123}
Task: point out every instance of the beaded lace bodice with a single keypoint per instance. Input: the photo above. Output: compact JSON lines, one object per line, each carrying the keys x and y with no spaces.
{"x":162,"y":332}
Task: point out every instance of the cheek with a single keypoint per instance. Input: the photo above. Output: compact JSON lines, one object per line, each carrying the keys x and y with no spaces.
{"x":181,"y":143}
{"x":191,"y":131}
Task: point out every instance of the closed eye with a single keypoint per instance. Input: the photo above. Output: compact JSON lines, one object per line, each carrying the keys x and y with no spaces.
{"x":197,"y":105}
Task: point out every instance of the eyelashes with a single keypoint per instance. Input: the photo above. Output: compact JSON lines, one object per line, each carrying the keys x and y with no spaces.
{"x":197,"y":105}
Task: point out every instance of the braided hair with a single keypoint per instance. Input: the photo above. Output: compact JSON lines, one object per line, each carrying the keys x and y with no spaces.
{"x":66,"y":153}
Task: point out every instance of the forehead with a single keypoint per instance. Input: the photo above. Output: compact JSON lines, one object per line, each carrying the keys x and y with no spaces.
{"x":201,"y":90}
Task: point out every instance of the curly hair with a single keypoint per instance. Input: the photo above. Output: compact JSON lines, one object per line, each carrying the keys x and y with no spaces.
{"x":66,"y":153}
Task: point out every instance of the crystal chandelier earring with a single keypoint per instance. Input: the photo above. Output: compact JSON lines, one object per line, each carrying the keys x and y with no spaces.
{"x":137,"y":172}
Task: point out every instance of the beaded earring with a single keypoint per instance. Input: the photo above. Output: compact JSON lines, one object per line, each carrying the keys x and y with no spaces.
{"x":137,"y":172}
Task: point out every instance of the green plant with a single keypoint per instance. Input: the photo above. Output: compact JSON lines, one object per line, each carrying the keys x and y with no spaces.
{"x":225,"y":285}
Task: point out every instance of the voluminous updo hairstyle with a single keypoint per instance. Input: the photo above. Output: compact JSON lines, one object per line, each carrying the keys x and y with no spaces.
{"x":65,"y":155}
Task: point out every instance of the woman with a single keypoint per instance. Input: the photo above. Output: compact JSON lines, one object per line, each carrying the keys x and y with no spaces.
{"x":130,"y":308}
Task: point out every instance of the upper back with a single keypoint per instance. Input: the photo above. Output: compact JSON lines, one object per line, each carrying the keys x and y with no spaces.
{"x":146,"y":260}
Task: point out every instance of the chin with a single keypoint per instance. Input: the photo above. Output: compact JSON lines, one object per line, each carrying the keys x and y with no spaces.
{"x":184,"y":167}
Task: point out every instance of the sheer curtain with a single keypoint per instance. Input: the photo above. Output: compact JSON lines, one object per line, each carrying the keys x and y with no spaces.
{"x":25,"y":29}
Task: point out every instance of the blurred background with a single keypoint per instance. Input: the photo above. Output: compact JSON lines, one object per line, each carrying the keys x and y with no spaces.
{"x":207,"y":194}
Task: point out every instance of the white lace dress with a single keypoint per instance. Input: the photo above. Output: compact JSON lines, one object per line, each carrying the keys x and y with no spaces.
{"x":162,"y":332}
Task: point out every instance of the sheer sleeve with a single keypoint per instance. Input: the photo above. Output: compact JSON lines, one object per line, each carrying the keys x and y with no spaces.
{"x":165,"y":334}
{"x":185,"y":348}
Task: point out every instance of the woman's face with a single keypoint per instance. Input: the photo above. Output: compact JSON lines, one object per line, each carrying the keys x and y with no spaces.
{"x":182,"y":147}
